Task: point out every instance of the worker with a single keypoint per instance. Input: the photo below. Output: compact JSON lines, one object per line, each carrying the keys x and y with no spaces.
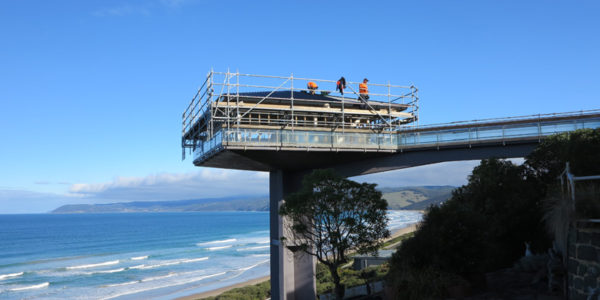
{"x":312,"y":87}
{"x":341,"y":85}
{"x":363,"y":89}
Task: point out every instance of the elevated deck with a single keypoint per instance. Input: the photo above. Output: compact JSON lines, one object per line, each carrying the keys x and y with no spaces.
{"x":233,"y":108}
{"x":246,"y":148}
{"x":285,"y":127}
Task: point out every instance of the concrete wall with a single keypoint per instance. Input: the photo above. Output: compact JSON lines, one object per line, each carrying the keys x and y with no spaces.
{"x":584,"y":260}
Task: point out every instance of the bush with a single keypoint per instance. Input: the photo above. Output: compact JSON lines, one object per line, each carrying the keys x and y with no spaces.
{"x":259,"y":291}
{"x":580,"y":148}
{"x":483,"y":227}
{"x":486,"y":223}
{"x":422,"y":283}
{"x":349,"y":277}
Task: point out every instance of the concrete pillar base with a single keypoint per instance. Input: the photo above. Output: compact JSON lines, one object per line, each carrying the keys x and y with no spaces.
{"x":292,"y":274}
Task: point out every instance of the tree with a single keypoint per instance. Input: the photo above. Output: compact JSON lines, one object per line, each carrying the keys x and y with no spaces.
{"x":482,"y":228}
{"x":331,"y":216}
{"x":580,"y":148}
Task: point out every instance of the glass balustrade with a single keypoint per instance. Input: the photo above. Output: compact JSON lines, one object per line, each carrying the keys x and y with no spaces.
{"x":386,"y":141}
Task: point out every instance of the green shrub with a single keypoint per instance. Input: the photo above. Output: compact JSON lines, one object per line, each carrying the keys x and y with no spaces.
{"x":580,"y":148}
{"x":349,"y":277}
{"x":422,"y":283}
{"x":483,"y":227}
{"x":258,"y":291}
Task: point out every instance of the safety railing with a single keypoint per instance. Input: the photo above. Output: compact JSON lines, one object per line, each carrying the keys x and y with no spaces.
{"x":325,"y":140}
{"x":220,"y":84}
{"x":568,"y":183}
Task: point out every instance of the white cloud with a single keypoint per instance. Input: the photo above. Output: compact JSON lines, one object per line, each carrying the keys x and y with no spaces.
{"x":447,"y":173}
{"x":450,"y":173}
{"x":211,"y":183}
{"x":206,"y":183}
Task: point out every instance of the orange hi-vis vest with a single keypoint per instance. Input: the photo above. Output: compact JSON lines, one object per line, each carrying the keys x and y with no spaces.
{"x":312,"y":85}
{"x":363,"y":89}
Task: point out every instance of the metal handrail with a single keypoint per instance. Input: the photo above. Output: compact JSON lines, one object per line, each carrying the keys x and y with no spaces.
{"x":515,"y":118}
{"x":303,"y":89}
{"x":390,"y":142}
{"x":311,"y":79}
{"x":571,"y":179}
{"x":204,"y":96}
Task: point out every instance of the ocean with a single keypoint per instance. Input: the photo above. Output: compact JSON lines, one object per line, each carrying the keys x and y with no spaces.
{"x":135,"y":255}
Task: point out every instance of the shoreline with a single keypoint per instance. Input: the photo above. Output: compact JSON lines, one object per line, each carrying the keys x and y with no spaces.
{"x":219,"y":291}
{"x":224,"y":289}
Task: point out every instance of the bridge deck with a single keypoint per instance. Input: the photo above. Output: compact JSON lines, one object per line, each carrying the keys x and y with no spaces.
{"x":465,"y":134}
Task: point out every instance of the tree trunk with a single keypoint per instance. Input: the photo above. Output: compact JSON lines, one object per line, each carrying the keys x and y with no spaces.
{"x":339,"y":288}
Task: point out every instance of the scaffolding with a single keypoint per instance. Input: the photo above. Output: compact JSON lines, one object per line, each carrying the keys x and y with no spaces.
{"x":234,"y":101}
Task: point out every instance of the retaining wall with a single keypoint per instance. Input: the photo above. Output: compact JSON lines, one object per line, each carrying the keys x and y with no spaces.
{"x":584,"y":260}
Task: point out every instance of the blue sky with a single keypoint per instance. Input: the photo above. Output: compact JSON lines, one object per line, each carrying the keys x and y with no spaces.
{"x":92,"y":91}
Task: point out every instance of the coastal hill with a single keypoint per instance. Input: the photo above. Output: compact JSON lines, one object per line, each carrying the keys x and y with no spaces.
{"x":416,"y":197}
{"x":211,"y":204}
{"x":411,"y":198}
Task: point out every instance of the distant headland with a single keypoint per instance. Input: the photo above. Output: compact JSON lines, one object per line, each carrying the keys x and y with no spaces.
{"x":410,"y":198}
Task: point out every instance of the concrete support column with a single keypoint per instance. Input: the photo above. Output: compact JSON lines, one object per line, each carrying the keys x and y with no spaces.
{"x":292,"y":274}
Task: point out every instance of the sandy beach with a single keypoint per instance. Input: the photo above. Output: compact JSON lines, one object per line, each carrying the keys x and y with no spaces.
{"x":223,"y":289}
{"x":216,"y":292}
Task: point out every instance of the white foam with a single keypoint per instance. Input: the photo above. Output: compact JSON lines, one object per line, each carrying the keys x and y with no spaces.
{"x":253,"y":248}
{"x":216,"y":242}
{"x":170,"y":263}
{"x":403,"y":218}
{"x":194,"y":260}
{"x":31,"y":287}
{"x":242,"y":270}
{"x":143,"y":267}
{"x":11,"y":275}
{"x":218,"y":248}
{"x":158,"y":277}
{"x":139,"y":257}
{"x":137,"y":267}
{"x":108,"y":263}
{"x":260,"y":255}
{"x":129,"y":292}
{"x":110,"y":271}
{"x":252,"y":266}
{"x":121,"y":284}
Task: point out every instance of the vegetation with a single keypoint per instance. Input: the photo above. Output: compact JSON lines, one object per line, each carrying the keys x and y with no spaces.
{"x":580,"y":148}
{"x":487,"y":223}
{"x":331,"y":216}
{"x":258,"y":291}
{"x":349,"y":277}
{"x":397,"y":239}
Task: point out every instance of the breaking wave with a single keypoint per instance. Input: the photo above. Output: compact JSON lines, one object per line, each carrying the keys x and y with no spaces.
{"x":216,"y":242}
{"x":11,"y":275}
{"x":108,"y":263}
{"x":30,"y":287}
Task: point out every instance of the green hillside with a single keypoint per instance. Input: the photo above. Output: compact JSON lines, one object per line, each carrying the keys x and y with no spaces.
{"x":416,"y":198}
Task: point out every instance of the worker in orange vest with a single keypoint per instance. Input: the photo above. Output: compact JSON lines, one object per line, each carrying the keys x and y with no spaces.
{"x":341,"y":85}
{"x":312,"y":87}
{"x":363,"y":89}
